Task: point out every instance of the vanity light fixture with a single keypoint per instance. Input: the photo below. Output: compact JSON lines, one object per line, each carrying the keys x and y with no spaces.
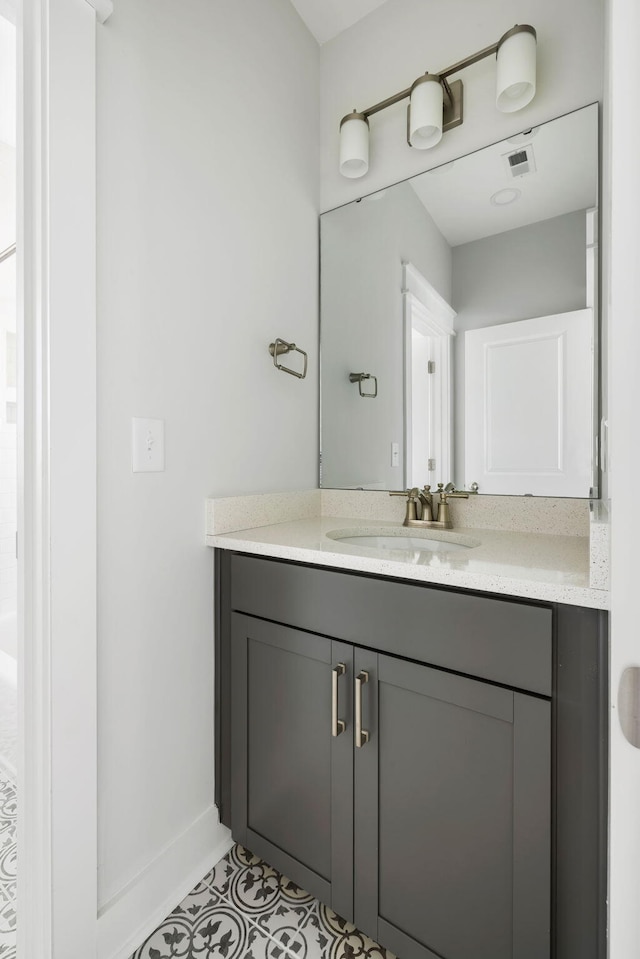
{"x":435,"y":105}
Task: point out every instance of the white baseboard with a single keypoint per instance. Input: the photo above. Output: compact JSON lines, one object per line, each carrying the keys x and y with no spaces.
{"x":125,"y":921}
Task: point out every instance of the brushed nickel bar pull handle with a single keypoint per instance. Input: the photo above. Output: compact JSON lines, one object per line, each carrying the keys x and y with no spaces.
{"x":337,"y":725}
{"x":362,"y":735}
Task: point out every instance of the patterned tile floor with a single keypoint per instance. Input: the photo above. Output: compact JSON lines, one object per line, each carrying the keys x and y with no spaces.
{"x":8,"y":811}
{"x":244,"y":909}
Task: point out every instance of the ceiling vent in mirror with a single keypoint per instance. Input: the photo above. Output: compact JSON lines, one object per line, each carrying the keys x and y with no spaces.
{"x":520,"y":162}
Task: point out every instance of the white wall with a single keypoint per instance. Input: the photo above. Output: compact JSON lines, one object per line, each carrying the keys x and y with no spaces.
{"x":8,"y":75}
{"x":533,"y":271}
{"x":385,"y":52}
{"x":8,"y":436}
{"x":207,"y":251}
{"x":363,"y":248}
{"x":621,"y":296}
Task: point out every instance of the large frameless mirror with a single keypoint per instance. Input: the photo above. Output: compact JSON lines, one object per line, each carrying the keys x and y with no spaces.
{"x":459,"y":322}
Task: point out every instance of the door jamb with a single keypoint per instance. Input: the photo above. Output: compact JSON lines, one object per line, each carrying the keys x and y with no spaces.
{"x":57,"y":766}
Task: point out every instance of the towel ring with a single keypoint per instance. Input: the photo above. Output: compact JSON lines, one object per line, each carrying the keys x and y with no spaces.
{"x":359,"y":377}
{"x":279,"y":348}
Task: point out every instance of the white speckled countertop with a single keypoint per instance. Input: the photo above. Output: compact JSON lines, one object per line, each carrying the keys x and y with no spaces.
{"x":530,"y":565}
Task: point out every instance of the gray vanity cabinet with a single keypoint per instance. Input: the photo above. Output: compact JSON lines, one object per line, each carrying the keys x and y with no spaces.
{"x":451,"y":787}
{"x":468,"y":821}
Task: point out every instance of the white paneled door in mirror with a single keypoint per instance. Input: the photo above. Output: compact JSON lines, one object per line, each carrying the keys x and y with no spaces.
{"x":528,"y":417}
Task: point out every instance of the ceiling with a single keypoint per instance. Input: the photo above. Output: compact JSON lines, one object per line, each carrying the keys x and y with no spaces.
{"x":458,"y":194}
{"x":327,"y":18}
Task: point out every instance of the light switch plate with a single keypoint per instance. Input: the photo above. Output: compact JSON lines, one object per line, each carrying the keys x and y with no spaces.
{"x":147,"y":445}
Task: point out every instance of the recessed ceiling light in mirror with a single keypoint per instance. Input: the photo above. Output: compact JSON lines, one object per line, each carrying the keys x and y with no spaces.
{"x":504,"y":197}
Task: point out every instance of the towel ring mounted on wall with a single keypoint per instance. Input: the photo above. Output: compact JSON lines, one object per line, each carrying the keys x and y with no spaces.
{"x":279,"y":348}
{"x":359,"y":377}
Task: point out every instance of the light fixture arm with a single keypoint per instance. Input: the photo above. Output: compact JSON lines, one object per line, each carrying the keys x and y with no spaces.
{"x":443,"y":74}
{"x":448,"y":92}
{"x":469,"y":61}
{"x":449,"y":71}
{"x":389,"y":102}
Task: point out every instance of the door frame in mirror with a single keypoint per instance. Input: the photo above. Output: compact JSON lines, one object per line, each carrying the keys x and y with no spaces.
{"x":426,"y":312}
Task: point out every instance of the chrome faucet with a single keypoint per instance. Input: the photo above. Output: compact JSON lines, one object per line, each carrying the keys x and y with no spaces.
{"x":420,"y":505}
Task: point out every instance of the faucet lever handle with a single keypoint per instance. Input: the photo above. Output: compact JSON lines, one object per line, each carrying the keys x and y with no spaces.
{"x":450,"y":491}
{"x":412,"y":503}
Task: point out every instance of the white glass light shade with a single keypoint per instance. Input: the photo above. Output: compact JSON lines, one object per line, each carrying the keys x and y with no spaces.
{"x":354,"y":145}
{"x":516,"y":81}
{"x":426,"y":109}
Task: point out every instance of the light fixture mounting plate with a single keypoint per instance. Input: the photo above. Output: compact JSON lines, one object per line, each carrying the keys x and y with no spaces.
{"x":453,"y":114}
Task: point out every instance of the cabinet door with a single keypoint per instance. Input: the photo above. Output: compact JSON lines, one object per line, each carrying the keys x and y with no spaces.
{"x":292,"y":780}
{"x":452,"y":815}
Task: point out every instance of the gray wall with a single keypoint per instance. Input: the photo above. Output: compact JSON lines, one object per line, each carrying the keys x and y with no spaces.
{"x":363,"y":247}
{"x":207,"y":250}
{"x":536,"y":270}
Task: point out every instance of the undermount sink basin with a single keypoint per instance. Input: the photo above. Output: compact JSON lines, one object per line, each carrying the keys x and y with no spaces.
{"x":410,"y":541}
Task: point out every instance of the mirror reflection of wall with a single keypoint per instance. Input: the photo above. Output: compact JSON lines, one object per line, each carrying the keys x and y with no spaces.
{"x":364,"y":245}
{"x":498,"y":237}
